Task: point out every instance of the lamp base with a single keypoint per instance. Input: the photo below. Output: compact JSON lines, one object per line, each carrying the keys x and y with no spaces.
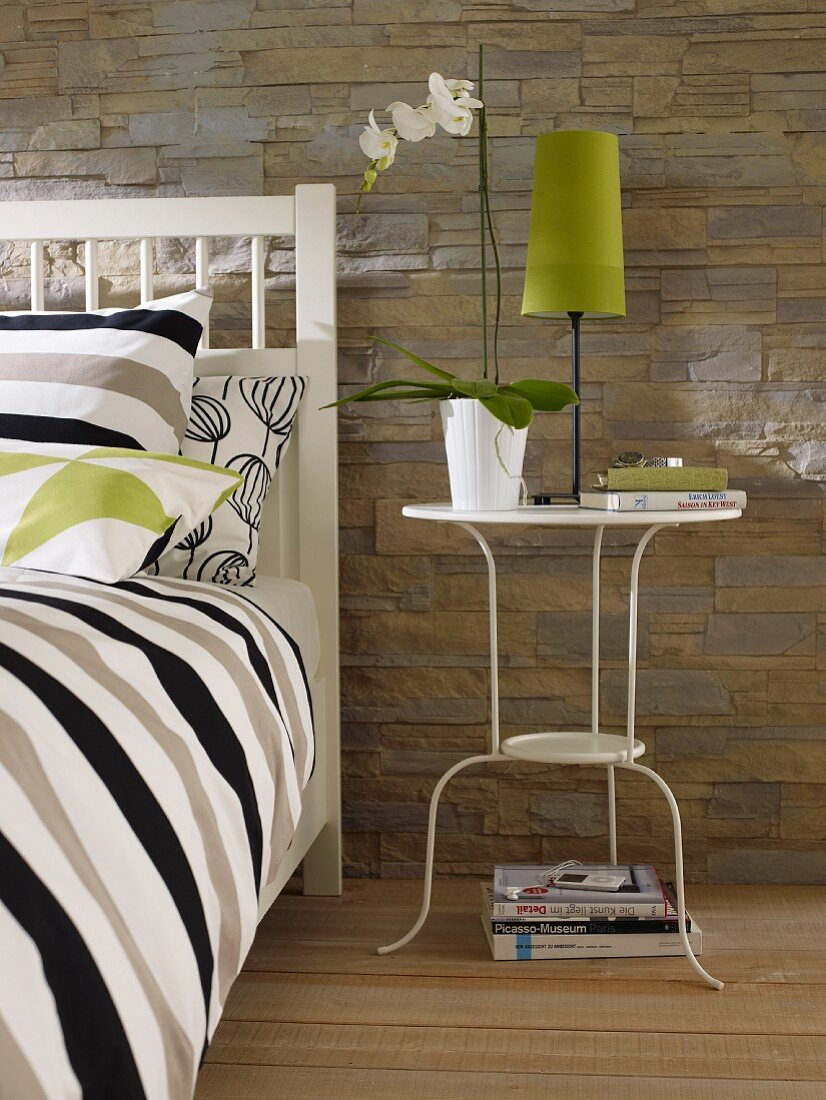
{"x":576,"y":435}
{"x":576,"y":449}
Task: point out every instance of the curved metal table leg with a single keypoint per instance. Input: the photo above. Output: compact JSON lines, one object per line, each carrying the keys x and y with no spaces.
{"x":595,"y":611}
{"x":494,"y":753}
{"x":631,"y":765}
{"x":612,"y":815}
{"x":431,"y":844}
{"x":633,"y":605}
{"x":678,"y":859}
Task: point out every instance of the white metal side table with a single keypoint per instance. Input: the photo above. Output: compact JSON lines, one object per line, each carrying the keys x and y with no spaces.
{"x":569,"y":746}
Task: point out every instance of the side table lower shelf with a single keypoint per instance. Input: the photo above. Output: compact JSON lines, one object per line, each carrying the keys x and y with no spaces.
{"x":573,"y":747}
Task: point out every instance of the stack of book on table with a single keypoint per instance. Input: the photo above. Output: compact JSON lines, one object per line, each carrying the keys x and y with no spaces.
{"x":639,"y":919}
{"x":663,"y":489}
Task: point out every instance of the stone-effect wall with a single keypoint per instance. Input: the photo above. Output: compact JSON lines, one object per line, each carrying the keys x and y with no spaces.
{"x":721,"y":107}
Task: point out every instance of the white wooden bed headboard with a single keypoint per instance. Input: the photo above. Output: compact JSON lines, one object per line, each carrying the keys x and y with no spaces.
{"x":302,"y":514}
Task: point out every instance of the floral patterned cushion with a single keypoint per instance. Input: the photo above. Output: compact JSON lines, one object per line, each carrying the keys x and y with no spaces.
{"x":245,"y":425}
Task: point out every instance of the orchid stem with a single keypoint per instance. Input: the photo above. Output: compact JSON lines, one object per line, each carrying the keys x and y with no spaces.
{"x":483,"y":187}
{"x":486,"y":228}
{"x":497,"y":267}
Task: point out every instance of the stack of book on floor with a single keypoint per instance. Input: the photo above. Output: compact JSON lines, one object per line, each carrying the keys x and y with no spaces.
{"x":663,"y":489}
{"x":639,"y":919}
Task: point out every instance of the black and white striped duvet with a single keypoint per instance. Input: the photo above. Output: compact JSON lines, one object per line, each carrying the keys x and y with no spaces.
{"x":154,"y":742}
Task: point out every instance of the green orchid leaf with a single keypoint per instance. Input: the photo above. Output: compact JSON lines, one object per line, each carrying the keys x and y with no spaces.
{"x":82,"y":491}
{"x":408,"y":395}
{"x":478,"y":389}
{"x":543,"y":395}
{"x":514,"y":411}
{"x":415,"y":359}
{"x":384,"y":391}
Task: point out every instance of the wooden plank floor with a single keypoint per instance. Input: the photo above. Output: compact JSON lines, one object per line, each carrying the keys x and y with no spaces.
{"x":317,"y":1013}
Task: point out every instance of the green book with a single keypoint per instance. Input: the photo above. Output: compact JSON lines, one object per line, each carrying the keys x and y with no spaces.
{"x":665,"y":478}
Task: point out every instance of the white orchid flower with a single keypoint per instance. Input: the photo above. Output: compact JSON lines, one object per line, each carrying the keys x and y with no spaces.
{"x":459,"y":88}
{"x":453,"y":115}
{"x":452,"y":89}
{"x":412,"y":123}
{"x":378,"y":145}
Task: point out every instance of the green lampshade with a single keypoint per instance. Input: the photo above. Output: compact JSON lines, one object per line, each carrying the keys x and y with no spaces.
{"x":575,"y":259}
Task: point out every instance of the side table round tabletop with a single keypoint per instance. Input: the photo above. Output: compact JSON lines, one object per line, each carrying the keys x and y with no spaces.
{"x":569,"y":747}
{"x":566,"y":515}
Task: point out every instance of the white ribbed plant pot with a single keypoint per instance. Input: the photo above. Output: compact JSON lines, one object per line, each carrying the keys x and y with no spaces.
{"x":481,"y":479}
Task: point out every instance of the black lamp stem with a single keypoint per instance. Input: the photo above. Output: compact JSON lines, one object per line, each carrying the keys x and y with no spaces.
{"x":576,"y":455}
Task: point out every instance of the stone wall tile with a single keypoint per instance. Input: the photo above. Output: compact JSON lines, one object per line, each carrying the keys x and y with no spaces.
{"x":755,"y":55}
{"x":566,"y":636}
{"x":795,"y":364}
{"x":667,"y":692}
{"x":749,"y":800}
{"x":386,"y":11}
{"x":632,"y":55}
{"x":107,"y":21}
{"x":760,"y":635}
{"x":12,"y":23}
{"x":87,"y":66}
{"x":178,"y":16}
{"x":115,"y":166}
{"x":721,"y":295}
{"x":28,"y":68}
{"x":801,"y":310}
{"x":68,"y":19}
{"x":81,"y":133}
{"x":274,"y":13}
{"x":564,"y":814}
{"x":780,"y":865}
{"x":743,"y":222}
{"x":45,"y":124}
{"x":544,"y":96}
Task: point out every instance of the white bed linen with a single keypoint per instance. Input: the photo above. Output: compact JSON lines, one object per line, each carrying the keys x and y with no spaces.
{"x":291,"y":604}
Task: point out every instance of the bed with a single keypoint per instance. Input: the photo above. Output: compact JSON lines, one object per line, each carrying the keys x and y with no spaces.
{"x":169,"y":748}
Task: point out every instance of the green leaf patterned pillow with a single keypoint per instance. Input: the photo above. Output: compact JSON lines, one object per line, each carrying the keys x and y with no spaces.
{"x":100,"y":512}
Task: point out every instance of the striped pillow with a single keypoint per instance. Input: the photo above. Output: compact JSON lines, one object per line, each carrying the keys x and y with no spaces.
{"x":112,"y":378}
{"x":101,"y":512}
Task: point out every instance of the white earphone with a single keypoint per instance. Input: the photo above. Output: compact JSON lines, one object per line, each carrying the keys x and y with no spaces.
{"x":545,"y":879}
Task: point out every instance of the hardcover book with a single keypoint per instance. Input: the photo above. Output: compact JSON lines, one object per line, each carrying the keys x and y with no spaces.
{"x":641,"y":896}
{"x":527,"y":947}
{"x":590,"y":926}
{"x":667,"y":478}
{"x":642,"y":501}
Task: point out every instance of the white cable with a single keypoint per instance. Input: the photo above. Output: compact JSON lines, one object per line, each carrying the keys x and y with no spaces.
{"x":545,"y":878}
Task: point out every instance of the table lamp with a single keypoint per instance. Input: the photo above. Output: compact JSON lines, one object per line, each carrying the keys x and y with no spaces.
{"x":575,"y":261}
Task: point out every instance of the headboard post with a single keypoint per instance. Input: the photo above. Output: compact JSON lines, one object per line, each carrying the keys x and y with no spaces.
{"x":315,"y":309}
